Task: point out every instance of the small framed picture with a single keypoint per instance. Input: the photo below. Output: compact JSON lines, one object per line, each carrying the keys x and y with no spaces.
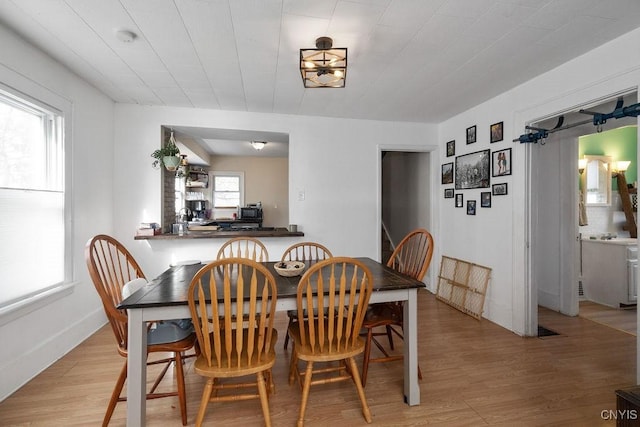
{"x":496,"y":132}
{"x":459,"y":200}
{"x":471,"y":207}
{"x":485,"y":199}
{"x":447,"y":173}
{"x":501,"y":162}
{"x":499,"y":189}
{"x":471,"y":134}
{"x":448,"y":193}
{"x":451,"y":148}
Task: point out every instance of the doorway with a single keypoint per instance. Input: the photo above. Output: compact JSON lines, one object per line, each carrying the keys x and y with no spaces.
{"x":406,"y":192}
{"x":555,"y":244}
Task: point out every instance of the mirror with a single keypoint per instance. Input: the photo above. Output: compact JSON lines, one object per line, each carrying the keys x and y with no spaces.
{"x":596,"y":184}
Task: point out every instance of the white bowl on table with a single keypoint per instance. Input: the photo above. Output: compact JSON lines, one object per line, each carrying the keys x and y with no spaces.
{"x":289,"y":268}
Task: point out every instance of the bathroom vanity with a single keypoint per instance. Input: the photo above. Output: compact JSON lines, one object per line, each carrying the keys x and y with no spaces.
{"x":609,"y":270}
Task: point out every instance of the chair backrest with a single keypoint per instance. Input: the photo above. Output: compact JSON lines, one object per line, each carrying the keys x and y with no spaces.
{"x":339,"y":288}
{"x":221,"y":326}
{"x":244,"y":247}
{"x":306,"y":251}
{"x":111,"y":266}
{"x":413,"y":254}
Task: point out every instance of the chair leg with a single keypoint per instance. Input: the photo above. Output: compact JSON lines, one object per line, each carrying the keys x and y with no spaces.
{"x":264,"y":398}
{"x":366,"y":412}
{"x":286,"y":336}
{"x":182,"y":395}
{"x":293,"y":364}
{"x":367,"y":354}
{"x":115,"y":395}
{"x":390,"y":336}
{"x":305,"y":393}
{"x":204,"y":402}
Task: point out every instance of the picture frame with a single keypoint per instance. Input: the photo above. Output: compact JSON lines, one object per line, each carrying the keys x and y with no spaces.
{"x":451,"y":148}
{"x":471,"y":134}
{"x":471,"y":207}
{"x":448,"y":193}
{"x":459,"y":200}
{"x":501,"y":162}
{"x":472,"y":170}
{"x":485,"y":199}
{"x":496,"y":132}
{"x":499,"y":189}
{"x":447,"y":173}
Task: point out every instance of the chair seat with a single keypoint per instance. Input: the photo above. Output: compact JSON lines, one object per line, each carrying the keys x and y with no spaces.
{"x":383,"y":314}
{"x":327,"y":352}
{"x":232,"y":367}
{"x":170,"y":332}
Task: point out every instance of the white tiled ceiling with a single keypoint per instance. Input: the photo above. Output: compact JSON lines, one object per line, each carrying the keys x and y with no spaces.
{"x":409,"y":60}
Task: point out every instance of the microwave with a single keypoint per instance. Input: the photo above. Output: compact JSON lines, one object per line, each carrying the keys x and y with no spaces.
{"x":251,"y":213}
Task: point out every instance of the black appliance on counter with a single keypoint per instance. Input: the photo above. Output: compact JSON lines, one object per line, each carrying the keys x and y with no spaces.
{"x":251,"y":213}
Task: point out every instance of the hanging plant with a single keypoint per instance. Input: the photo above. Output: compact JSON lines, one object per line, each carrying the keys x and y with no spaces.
{"x":167,"y":156}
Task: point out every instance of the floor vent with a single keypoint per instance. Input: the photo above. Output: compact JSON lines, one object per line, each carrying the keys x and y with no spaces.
{"x":544,"y":332}
{"x":580,"y":289}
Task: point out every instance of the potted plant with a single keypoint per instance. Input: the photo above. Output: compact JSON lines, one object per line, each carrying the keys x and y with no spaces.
{"x":169,"y":155}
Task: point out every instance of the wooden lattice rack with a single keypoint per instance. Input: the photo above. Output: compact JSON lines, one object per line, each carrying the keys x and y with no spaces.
{"x":463,"y":285}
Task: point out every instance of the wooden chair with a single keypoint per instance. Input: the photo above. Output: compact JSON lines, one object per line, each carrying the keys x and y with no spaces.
{"x":338,"y":289}
{"x":231,"y":348}
{"x":111,"y":267}
{"x":412,"y":257}
{"x":244,"y":247}
{"x":305,"y":251}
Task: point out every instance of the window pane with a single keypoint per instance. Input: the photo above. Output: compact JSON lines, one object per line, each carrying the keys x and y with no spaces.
{"x":227,"y":183}
{"x":23,"y":142}
{"x":32,"y":256}
{"x":226,"y":199}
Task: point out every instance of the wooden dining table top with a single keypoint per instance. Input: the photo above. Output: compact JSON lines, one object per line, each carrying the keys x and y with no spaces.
{"x":171,"y":287}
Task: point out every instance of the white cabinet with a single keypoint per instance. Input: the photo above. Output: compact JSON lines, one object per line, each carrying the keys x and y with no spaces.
{"x":609,"y":270}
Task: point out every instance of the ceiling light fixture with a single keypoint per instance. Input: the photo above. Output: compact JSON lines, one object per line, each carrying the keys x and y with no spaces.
{"x":125,"y":36}
{"x":324,"y":66}
{"x":258,"y":145}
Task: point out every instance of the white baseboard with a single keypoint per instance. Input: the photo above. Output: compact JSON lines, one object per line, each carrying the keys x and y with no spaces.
{"x":21,"y":370}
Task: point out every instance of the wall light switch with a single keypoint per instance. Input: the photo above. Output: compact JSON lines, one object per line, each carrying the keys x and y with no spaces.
{"x":301,"y":195}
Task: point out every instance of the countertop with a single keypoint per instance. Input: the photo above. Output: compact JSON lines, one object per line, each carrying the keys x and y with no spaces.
{"x":628,"y":241}
{"x":276,"y":232}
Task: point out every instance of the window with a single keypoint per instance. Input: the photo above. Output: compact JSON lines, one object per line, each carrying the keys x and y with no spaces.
{"x":33,"y":256}
{"x":227,"y":190}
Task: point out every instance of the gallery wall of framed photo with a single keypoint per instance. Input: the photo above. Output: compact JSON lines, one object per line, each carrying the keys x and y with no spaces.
{"x":478,"y":173}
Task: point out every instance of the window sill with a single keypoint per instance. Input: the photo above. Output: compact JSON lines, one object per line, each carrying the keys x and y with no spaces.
{"x":23,"y":307}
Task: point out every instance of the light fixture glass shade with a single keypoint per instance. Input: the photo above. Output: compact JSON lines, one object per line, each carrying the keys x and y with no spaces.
{"x":258,"y":145}
{"x":324,"y":66}
{"x":582,"y":163}
{"x":622,"y":165}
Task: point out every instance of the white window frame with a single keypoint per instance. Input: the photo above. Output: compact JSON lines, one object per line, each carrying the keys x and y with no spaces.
{"x":225,"y":211}
{"x":30,"y":93}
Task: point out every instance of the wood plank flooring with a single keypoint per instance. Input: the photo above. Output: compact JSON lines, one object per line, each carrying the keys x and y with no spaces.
{"x":622,"y":319}
{"x":475,"y":374}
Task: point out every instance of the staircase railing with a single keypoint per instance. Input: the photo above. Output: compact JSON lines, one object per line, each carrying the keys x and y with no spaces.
{"x":388,"y":237}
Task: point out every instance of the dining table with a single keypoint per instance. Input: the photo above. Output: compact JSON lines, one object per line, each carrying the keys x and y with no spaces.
{"x":165,"y":298}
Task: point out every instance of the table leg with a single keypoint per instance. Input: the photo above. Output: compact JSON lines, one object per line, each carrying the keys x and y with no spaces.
{"x":410,"y":331}
{"x":136,"y":369}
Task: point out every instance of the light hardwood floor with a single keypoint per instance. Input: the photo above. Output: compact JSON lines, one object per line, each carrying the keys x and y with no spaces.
{"x":622,"y":319}
{"x":475,"y":373}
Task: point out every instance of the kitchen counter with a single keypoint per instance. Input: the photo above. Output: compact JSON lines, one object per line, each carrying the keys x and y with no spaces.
{"x":226,"y":234}
{"x":609,"y":269}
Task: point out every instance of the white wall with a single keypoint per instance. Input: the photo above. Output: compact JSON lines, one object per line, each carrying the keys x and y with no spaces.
{"x":33,"y":341}
{"x":333,"y":161}
{"x":497,"y":237}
